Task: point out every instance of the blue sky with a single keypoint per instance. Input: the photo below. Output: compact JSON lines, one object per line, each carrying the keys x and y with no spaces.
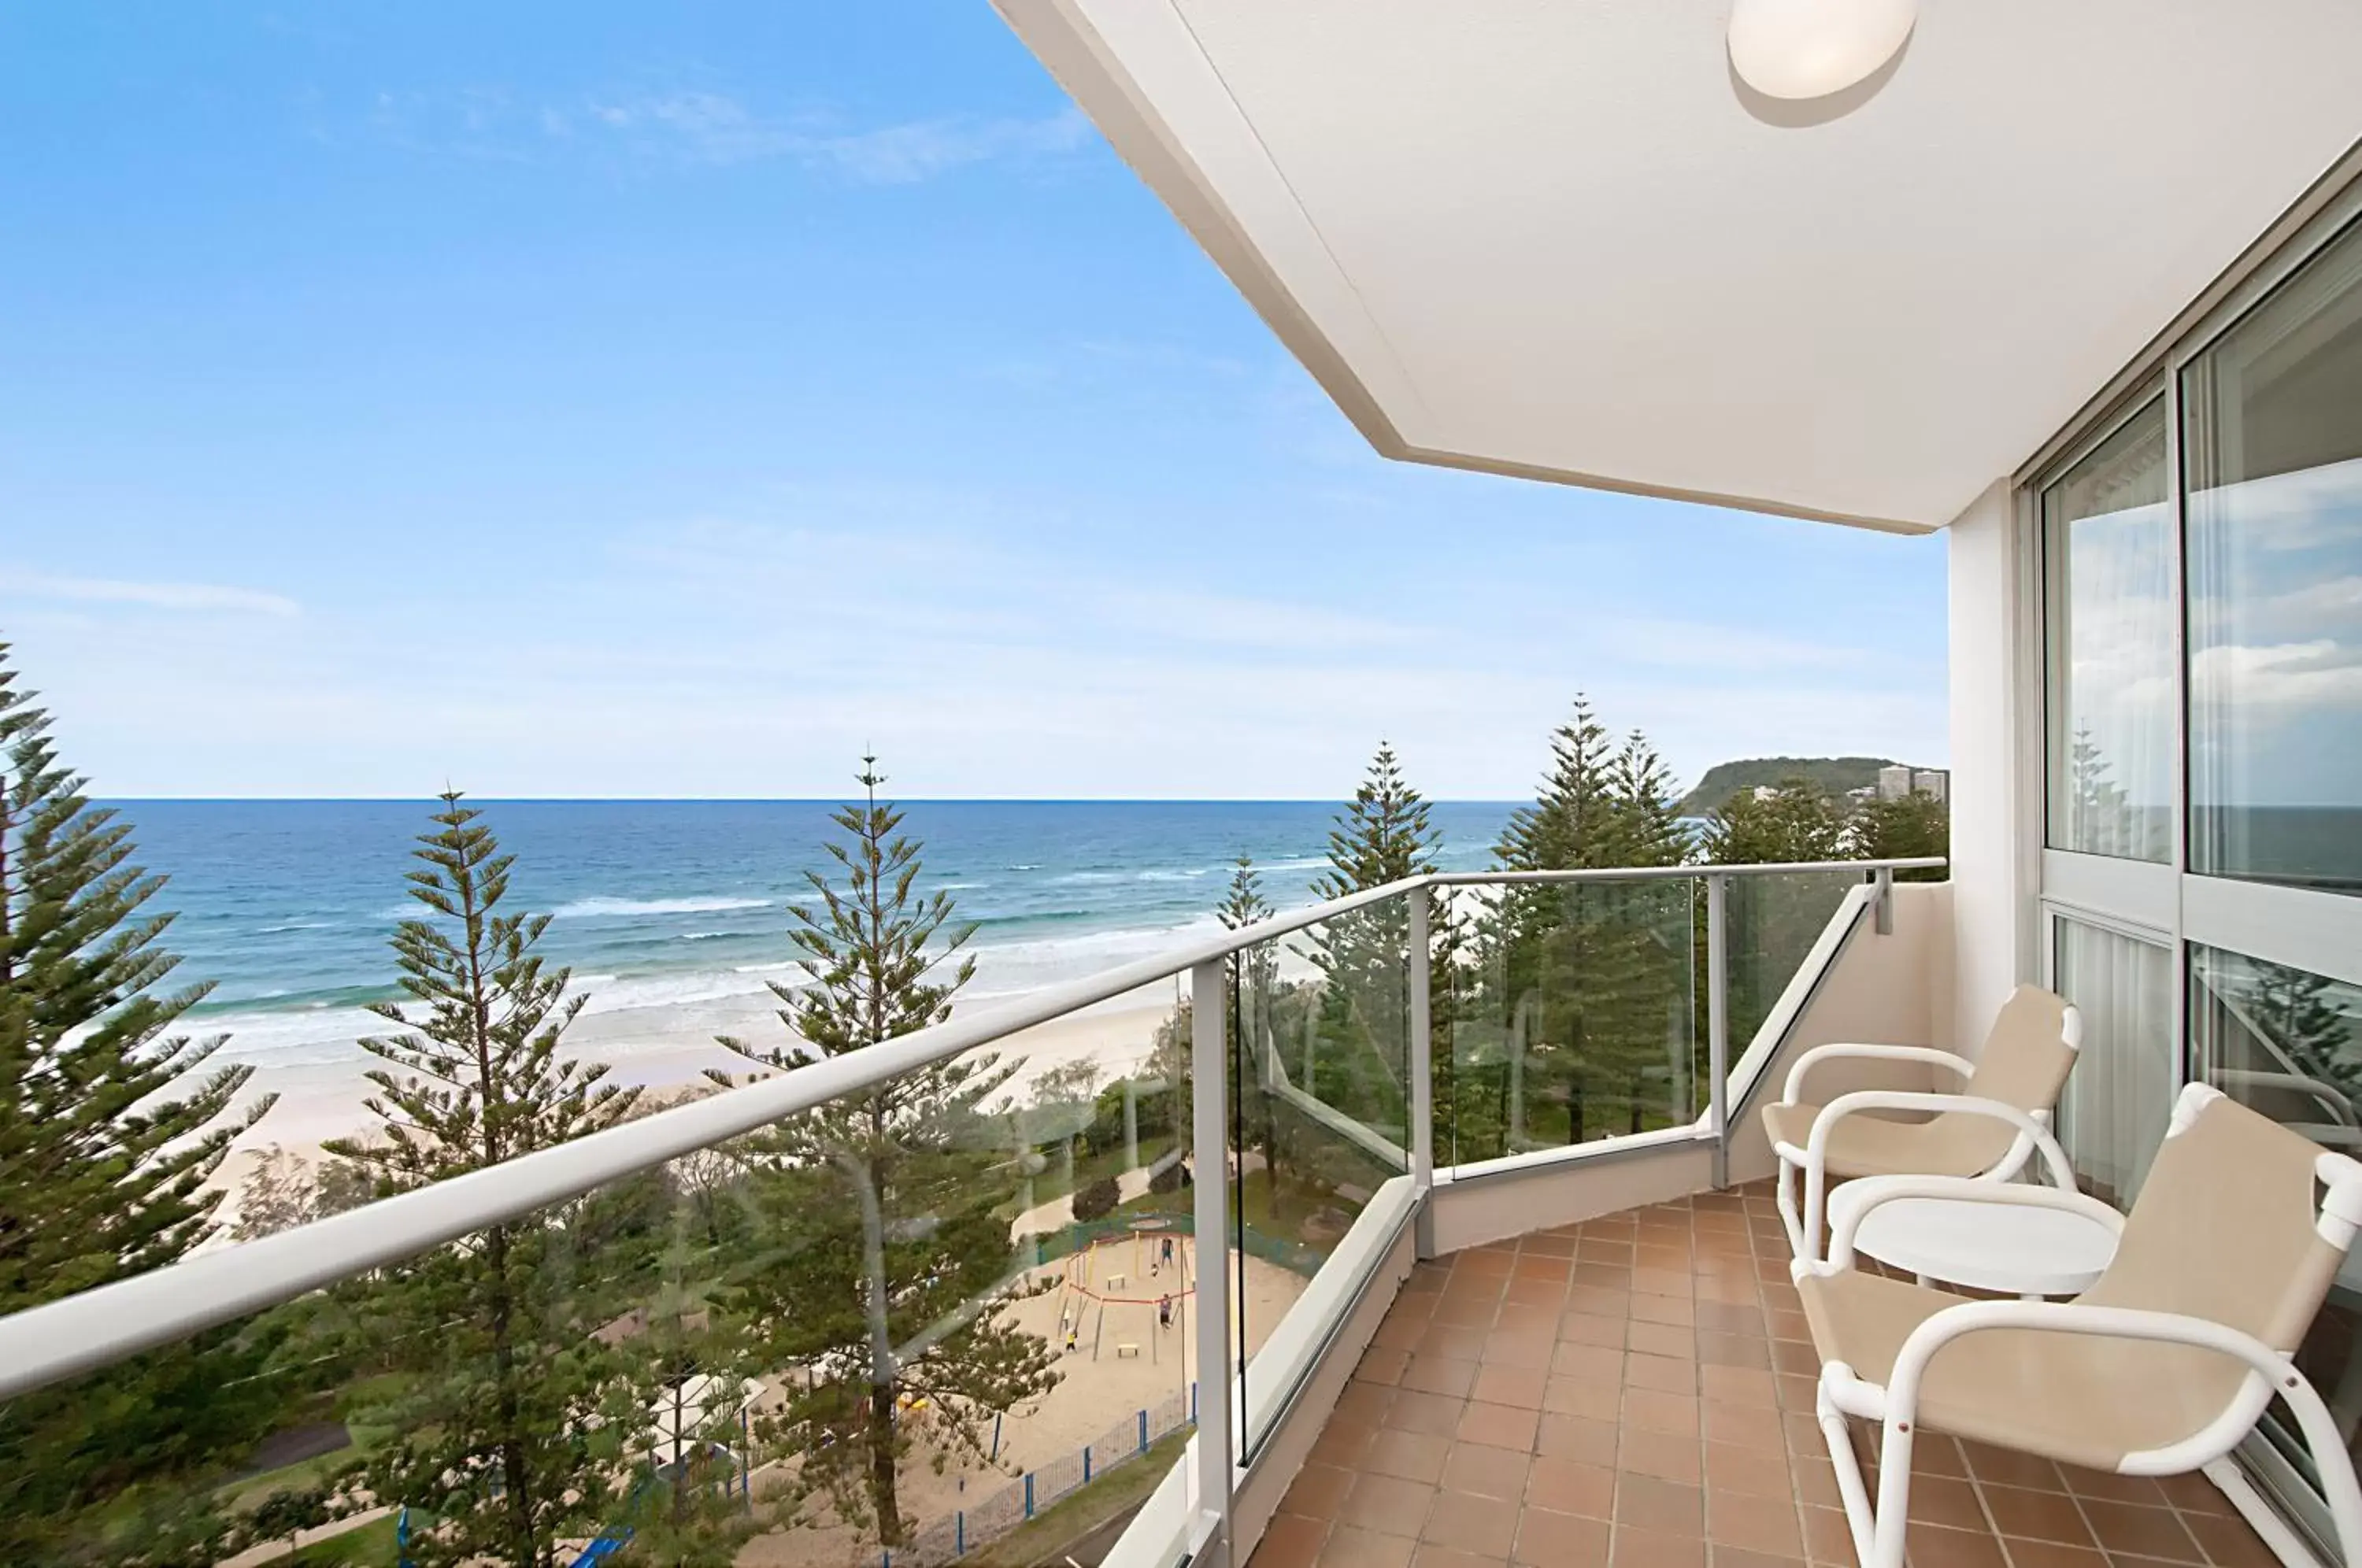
{"x":608,"y":400}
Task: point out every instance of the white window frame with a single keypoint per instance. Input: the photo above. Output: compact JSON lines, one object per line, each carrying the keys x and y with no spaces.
{"x":2167,"y":904}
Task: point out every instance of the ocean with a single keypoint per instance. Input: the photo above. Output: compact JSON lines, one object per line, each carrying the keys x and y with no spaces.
{"x":674,"y":914}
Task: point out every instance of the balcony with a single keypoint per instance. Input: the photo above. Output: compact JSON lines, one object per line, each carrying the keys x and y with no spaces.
{"x":1638,"y":1390}
{"x":1488,"y":1255}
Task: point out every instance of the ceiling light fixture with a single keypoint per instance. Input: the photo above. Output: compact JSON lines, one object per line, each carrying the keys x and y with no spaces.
{"x":1810,"y":48}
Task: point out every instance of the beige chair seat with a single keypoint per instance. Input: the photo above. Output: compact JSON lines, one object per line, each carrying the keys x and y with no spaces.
{"x":1864,"y":1145}
{"x":2074,"y":1398}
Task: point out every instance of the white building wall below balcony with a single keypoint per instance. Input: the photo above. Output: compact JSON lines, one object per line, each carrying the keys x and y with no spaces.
{"x":1989,"y":688}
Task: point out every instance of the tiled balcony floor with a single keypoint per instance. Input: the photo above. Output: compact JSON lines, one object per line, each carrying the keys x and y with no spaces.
{"x":1638,"y":1390}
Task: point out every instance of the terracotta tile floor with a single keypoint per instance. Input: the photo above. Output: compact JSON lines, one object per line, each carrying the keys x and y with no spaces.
{"x":1638,"y":1390}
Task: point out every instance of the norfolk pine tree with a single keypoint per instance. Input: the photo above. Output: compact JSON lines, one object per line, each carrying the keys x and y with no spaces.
{"x":1259,"y":1017}
{"x":490,"y":1435}
{"x":1383,"y":834}
{"x":110,"y":1127}
{"x":880,"y":1205}
{"x":1905,"y":828}
{"x":1794,"y":822}
{"x":1589,"y":975}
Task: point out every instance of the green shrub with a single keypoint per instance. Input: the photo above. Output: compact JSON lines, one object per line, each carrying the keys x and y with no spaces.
{"x":1096,"y":1198}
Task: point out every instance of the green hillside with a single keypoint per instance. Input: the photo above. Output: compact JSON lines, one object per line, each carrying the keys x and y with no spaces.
{"x":1835,"y":774}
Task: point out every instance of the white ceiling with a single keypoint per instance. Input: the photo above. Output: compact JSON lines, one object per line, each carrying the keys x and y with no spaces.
{"x":1549,"y":236}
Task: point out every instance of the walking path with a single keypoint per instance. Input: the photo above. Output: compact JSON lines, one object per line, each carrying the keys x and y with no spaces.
{"x":284,"y":1547}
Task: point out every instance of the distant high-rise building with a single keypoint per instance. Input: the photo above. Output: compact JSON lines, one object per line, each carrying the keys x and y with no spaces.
{"x":1895,"y":783}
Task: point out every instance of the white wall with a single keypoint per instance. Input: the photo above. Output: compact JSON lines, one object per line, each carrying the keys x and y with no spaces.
{"x":1990,"y":885}
{"x":1894,"y":988}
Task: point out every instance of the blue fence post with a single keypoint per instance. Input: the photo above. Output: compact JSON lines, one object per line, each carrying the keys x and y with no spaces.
{"x":1193,"y":1401}
{"x":959,"y":1533}
{"x":1029,"y":1494}
{"x":1086,"y":1465}
{"x":1144,"y":1432}
{"x":995,"y":1435}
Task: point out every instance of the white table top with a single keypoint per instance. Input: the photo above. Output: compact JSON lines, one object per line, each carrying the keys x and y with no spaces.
{"x":2008,"y":1247}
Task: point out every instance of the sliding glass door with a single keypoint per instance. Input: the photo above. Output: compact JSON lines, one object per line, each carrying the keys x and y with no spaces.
{"x":2201,"y":568}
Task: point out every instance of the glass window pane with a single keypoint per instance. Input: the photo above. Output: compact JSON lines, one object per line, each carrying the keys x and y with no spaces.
{"x":2107,"y":573}
{"x":2274,"y":415}
{"x":2118,"y":1098}
{"x":1575,"y":1020}
{"x":2286,"y":1042}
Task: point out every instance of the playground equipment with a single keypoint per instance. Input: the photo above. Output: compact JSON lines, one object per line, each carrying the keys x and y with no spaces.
{"x":1148,"y":1265}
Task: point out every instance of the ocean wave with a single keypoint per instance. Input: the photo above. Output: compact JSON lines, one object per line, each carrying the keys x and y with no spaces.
{"x":1024,"y":867}
{"x":608,"y":908}
{"x":681,"y":989}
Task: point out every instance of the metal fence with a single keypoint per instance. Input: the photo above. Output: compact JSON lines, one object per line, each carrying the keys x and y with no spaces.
{"x":994,"y":1515}
{"x":1049,"y":1246}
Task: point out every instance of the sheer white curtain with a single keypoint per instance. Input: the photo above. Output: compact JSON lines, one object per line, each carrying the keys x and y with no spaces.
{"x":2118,"y":1098}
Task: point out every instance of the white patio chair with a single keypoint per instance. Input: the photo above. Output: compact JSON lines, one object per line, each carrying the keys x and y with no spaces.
{"x":2160,"y":1369}
{"x":1989,"y":1128}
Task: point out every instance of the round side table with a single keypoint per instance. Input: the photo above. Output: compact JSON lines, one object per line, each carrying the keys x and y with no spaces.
{"x":2014,"y":1249}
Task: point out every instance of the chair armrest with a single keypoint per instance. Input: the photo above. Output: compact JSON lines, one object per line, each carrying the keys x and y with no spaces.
{"x":1815,"y":1156}
{"x":1847,"y":1050}
{"x":2030,"y":1127}
{"x":2269,"y":1373}
{"x":1858,"y":1199}
{"x":2273,"y":1373}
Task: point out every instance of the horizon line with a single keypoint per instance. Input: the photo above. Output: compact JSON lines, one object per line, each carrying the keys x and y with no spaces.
{"x":784,"y":800}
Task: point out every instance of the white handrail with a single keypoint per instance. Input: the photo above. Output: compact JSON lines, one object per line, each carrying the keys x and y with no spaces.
{"x":96,"y":1327}
{"x":1670,"y":873}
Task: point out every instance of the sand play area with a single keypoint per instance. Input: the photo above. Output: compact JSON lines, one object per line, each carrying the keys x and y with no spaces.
{"x":1106,"y":1299}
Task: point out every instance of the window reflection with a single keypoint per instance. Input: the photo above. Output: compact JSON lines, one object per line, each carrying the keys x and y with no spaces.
{"x":2108,"y":547}
{"x":2289,"y":1043}
{"x":2274,"y":416}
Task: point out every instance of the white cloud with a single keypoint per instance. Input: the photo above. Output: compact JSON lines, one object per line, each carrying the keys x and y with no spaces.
{"x":192,"y":596}
{"x":2308,"y":678}
{"x":2338,"y":601}
{"x":713,"y":127}
{"x":2303,"y":509}
{"x":702,"y":126}
{"x":987,"y":643}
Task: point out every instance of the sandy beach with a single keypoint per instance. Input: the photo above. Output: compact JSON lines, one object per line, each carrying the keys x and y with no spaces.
{"x":1123,"y":1361}
{"x":668,"y":1048}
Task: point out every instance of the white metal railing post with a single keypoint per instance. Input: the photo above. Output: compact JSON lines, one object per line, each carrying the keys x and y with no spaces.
{"x":1418,"y":955}
{"x":1717,"y":1022}
{"x":1209,"y":1531}
{"x":1885,"y":878}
